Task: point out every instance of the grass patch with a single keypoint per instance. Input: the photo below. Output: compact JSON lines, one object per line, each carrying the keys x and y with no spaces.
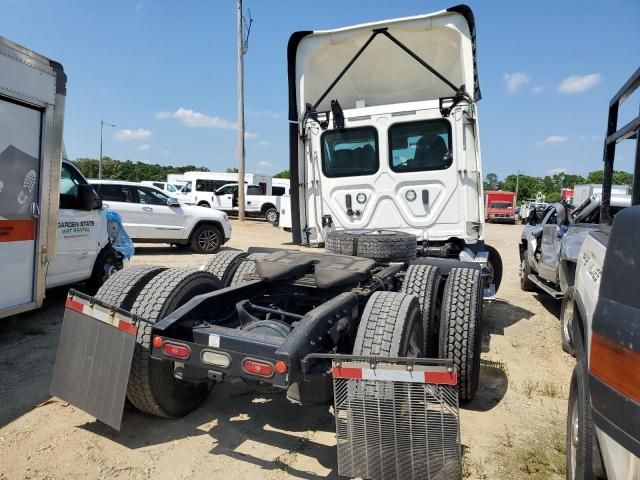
{"x":539,"y":456}
{"x":494,"y":365}
{"x":529,"y":387}
{"x":547,"y":389}
{"x":472,"y":468}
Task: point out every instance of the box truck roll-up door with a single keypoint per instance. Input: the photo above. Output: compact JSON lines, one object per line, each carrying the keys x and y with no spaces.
{"x":20,"y":136}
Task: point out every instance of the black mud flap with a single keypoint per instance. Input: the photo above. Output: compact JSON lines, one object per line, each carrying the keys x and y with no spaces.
{"x":94,"y":358}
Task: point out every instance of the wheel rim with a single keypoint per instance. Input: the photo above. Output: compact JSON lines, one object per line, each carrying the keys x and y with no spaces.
{"x":414,"y":348}
{"x":272,"y":215}
{"x":208,"y":240}
{"x":108,"y":270}
{"x":574,"y":437}
{"x":567,"y":316}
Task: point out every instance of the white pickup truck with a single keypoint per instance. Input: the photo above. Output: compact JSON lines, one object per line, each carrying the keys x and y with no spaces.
{"x":256,"y":202}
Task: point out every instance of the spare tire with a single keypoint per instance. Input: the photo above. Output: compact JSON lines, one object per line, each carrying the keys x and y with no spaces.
{"x":381,"y":245}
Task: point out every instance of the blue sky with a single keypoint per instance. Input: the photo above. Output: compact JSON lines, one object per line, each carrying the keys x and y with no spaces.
{"x":160,"y":70}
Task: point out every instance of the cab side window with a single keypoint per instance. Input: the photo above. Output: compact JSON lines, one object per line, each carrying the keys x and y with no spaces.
{"x":254,"y":190}
{"x":69,"y":181}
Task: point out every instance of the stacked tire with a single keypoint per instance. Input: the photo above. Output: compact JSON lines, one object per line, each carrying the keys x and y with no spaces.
{"x":380,"y":245}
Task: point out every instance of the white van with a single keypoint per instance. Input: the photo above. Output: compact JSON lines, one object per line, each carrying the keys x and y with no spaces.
{"x":53,"y":230}
{"x":168,"y":187}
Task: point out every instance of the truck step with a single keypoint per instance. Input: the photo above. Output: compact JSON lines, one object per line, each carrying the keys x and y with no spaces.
{"x":541,"y":284}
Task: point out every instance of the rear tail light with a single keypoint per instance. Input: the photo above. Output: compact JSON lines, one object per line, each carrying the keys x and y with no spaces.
{"x":157,"y":342}
{"x":281,"y":367}
{"x":176,"y":350}
{"x":256,"y":367}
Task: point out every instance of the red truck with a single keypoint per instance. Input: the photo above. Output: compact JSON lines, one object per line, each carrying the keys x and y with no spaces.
{"x":499,"y":206}
{"x":566,"y":195}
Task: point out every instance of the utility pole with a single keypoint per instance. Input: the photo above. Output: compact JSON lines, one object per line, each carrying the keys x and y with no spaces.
{"x":517,"y":185}
{"x":241,"y":150}
{"x":102,"y":124}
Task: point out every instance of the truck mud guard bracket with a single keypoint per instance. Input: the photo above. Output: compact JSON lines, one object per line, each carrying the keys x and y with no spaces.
{"x":94,"y":357}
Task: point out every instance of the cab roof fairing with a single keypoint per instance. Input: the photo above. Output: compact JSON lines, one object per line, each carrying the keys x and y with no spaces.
{"x":444,"y":39}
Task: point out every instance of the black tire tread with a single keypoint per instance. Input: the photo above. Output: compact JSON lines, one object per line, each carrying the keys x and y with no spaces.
{"x":526,"y":284}
{"x":384,"y":323}
{"x":151,"y":304}
{"x":246,"y":267}
{"x":223,"y":262}
{"x":460,"y":327}
{"x":121,"y":289}
{"x":423,"y":282}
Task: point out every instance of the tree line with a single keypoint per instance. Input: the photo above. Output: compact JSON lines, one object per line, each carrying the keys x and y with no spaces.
{"x":549,"y":185}
{"x":137,"y":171}
{"x":131,"y":171}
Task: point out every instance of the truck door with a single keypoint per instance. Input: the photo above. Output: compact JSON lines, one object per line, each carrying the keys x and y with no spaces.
{"x":81,"y":234}
{"x":394,"y":173}
{"x":20,"y":136}
{"x":157,"y":219}
{"x":255,"y":196}
{"x":550,"y":246}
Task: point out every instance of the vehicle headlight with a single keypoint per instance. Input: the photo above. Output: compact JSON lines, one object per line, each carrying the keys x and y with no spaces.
{"x":410,"y":195}
{"x":361,"y":198}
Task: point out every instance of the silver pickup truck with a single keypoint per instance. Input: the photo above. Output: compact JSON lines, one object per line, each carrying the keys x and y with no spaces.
{"x":549,"y":250}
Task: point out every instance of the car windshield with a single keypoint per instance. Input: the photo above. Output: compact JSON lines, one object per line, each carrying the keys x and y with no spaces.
{"x":350,"y":152}
{"x":420,"y":146}
{"x":501,"y":205}
{"x":186,"y":188}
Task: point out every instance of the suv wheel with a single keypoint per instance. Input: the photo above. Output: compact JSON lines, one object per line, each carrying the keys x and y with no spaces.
{"x":271,"y":215}
{"x":206,"y":239}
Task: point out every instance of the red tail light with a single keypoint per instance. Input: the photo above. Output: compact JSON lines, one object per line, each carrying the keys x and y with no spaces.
{"x":256,"y":367}
{"x":175,"y":350}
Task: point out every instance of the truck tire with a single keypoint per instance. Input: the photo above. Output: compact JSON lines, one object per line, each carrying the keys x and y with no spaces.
{"x":272,"y":216}
{"x":381,"y":245}
{"x":580,"y":434}
{"x":460,"y":327}
{"x":223,"y":264}
{"x":107,"y":264}
{"x":423,"y":281}
{"x":390,"y":326}
{"x":152,"y":387}
{"x":246,"y":267}
{"x":123,"y":287}
{"x":525,"y":270}
{"x":495,"y":266}
{"x":566,"y":322}
{"x":207,"y":238}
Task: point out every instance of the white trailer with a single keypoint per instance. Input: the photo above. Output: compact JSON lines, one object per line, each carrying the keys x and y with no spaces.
{"x":582,"y":192}
{"x":53,"y":230}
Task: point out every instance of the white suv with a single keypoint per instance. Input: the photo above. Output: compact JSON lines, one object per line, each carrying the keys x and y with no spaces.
{"x":150,"y":215}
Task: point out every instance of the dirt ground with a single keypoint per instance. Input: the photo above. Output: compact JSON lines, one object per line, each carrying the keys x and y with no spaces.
{"x":513,"y":429}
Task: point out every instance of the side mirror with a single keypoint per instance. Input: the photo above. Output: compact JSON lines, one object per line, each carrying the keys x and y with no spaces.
{"x":87,"y":198}
{"x":173,"y":202}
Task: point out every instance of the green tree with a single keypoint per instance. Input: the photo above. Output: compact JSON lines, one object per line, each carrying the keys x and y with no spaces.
{"x":231,"y":170}
{"x":619,"y":177}
{"x":283,"y":174}
{"x":131,"y":171}
{"x":491,"y":182}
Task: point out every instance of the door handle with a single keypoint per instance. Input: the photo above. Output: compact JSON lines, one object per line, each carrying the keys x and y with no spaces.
{"x":425,"y":196}
{"x":147,"y":209}
{"x":35,"y":210}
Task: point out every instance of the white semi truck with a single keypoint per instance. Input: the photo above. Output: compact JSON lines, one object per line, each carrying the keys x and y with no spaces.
{"x":386,"y":328}
{"x":53,"y":230}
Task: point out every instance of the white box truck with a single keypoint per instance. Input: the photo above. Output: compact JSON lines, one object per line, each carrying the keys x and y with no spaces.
{"x":582,"y":192}
{"x":53,"y":230}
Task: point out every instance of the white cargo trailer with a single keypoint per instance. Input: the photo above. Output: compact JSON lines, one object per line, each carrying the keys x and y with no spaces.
{"x":583,"y":192}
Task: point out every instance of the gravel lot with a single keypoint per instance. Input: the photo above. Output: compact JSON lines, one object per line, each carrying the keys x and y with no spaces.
{"x":513,"y":429}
